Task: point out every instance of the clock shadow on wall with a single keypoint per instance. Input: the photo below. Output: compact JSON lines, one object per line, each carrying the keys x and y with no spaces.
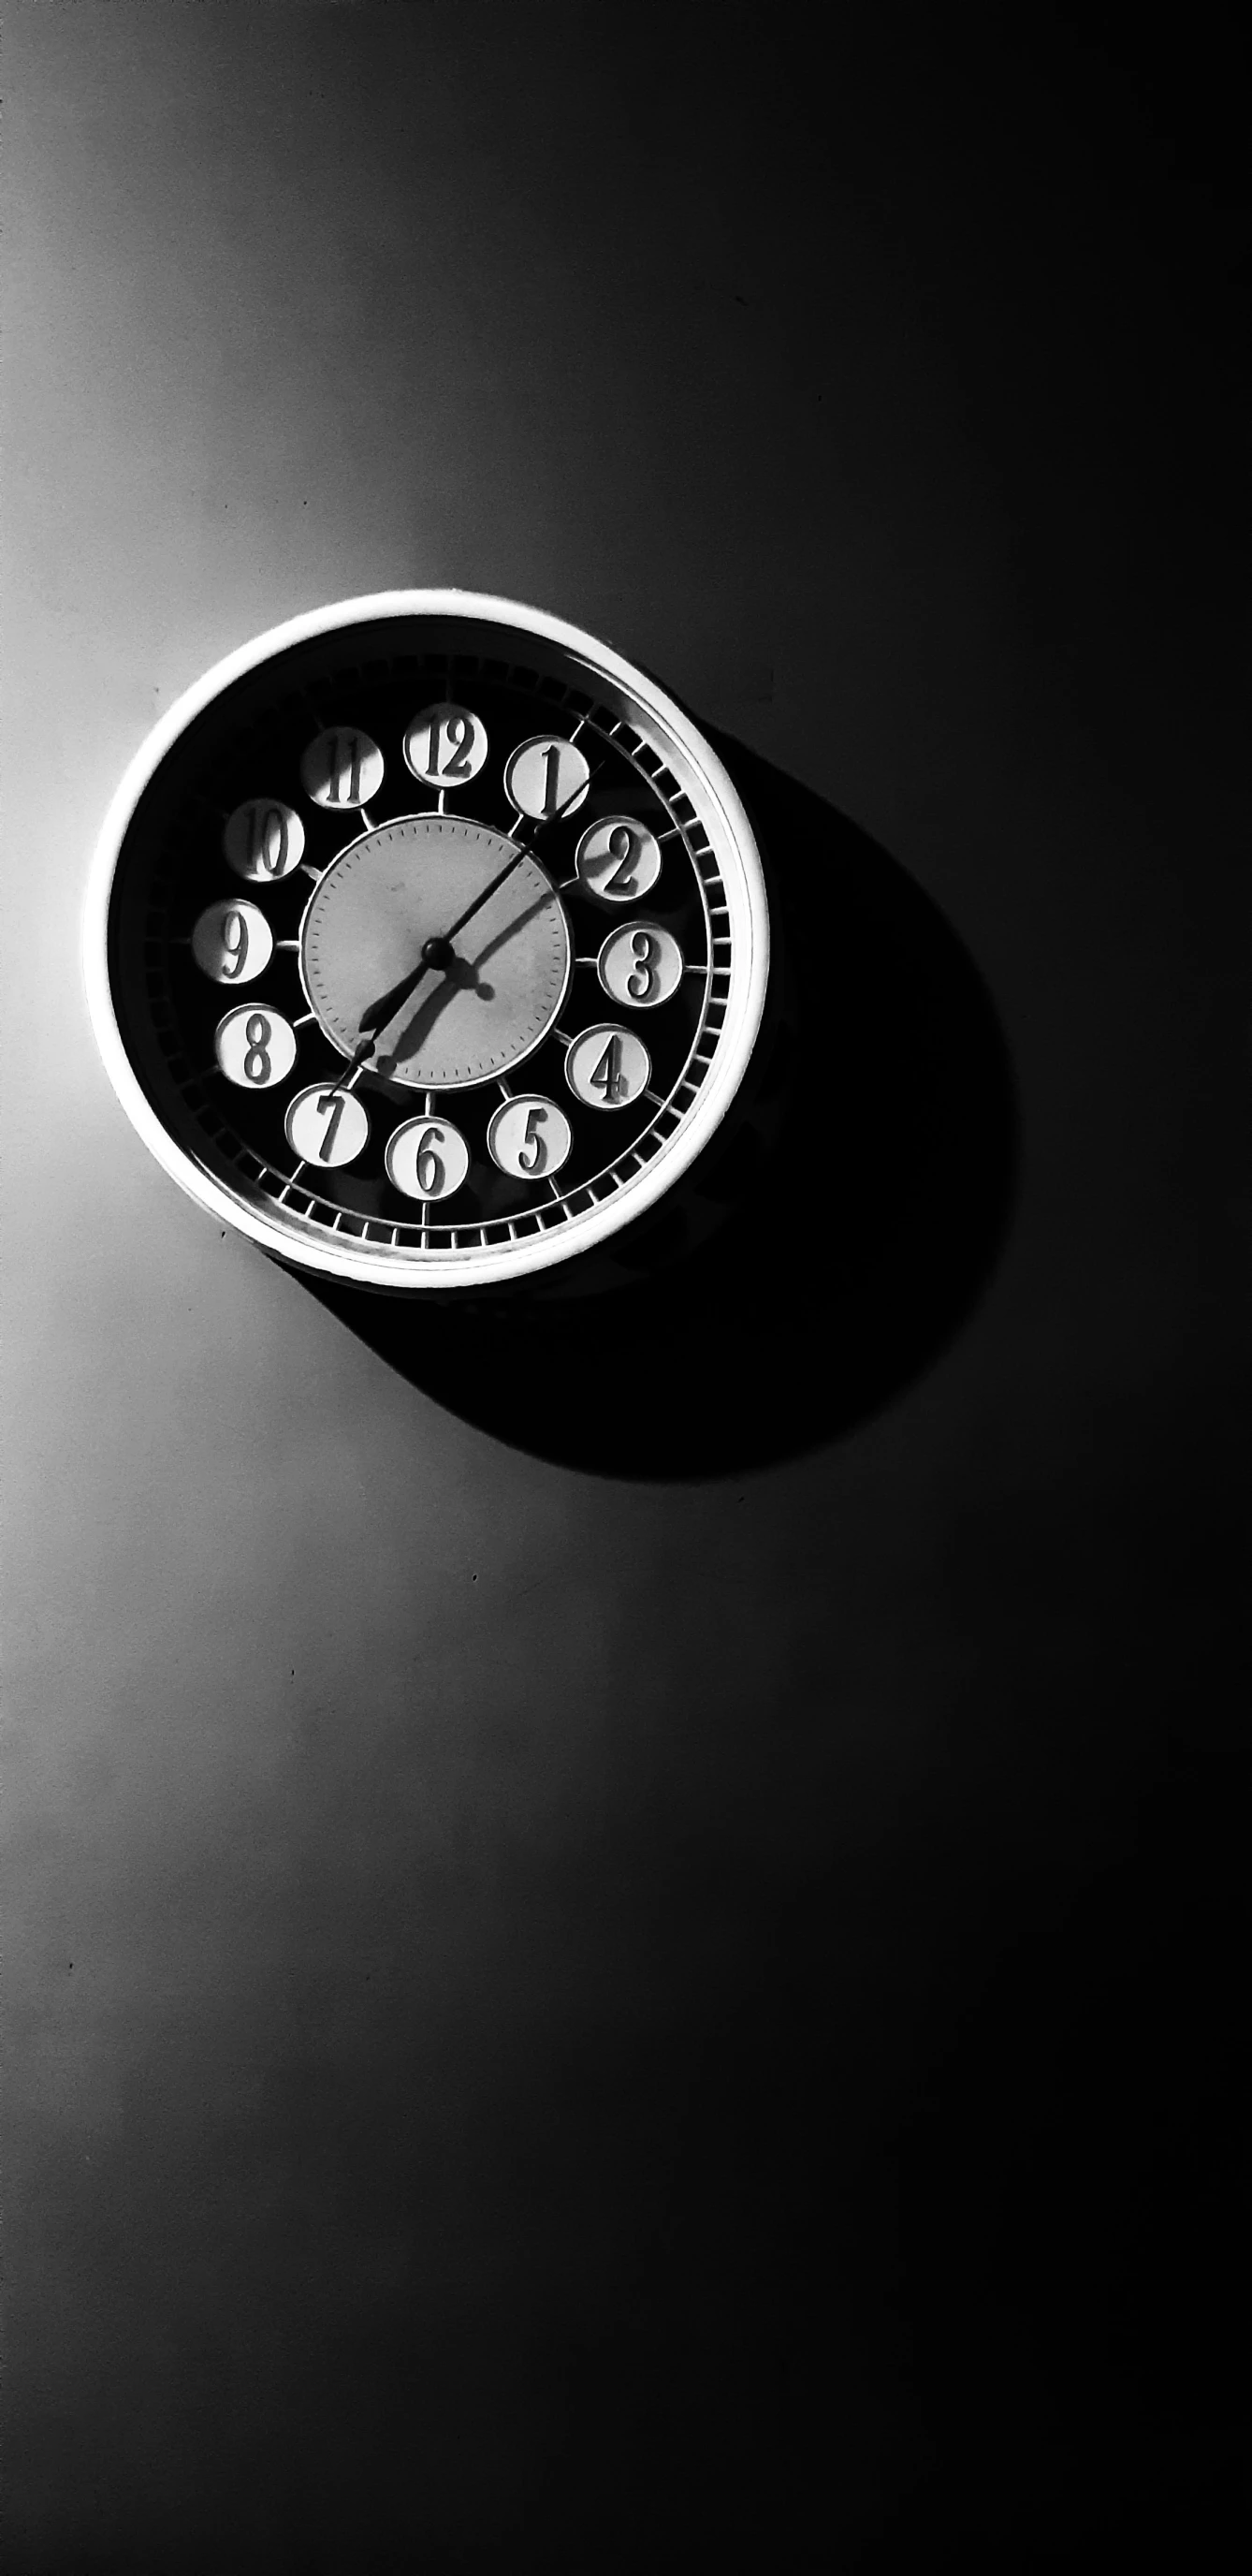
{"x":827,"y":1246}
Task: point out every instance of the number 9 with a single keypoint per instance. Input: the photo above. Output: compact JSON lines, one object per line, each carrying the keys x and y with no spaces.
{"x":232,"y":943}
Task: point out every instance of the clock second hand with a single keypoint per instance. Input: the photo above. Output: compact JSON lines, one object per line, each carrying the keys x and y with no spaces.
{"x":438,"y":955}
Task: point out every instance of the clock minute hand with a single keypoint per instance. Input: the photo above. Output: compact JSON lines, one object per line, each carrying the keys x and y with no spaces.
{"x":506,"y":871}
{"x":485,"y":896}
{"x":437,"y":953}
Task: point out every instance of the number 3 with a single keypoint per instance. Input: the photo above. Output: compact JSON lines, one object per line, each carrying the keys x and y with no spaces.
{"x":643,"y":949}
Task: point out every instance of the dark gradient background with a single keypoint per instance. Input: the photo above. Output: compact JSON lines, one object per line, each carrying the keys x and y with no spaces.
{"x":558,"y":2022}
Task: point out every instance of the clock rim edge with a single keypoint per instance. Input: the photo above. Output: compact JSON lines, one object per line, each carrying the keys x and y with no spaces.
{"x":497,"y":1266}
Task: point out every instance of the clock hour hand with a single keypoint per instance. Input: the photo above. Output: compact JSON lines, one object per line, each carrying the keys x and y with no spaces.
{"x":438,"y":954}
{"x":479,"y":900}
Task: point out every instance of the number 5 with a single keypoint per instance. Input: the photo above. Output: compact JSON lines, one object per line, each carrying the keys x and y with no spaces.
{"x":533,"y":1162}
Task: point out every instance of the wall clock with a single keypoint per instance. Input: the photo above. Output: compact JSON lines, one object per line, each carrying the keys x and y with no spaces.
{"x":427,"y":941}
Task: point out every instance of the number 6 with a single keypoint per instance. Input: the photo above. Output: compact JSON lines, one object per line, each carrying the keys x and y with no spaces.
{"x":428,"y":1167}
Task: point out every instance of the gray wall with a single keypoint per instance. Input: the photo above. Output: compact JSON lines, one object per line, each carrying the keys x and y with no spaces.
{"x":551,"y":2018}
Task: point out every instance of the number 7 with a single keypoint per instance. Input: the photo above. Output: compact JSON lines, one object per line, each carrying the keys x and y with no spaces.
{"x":332,"y":1101}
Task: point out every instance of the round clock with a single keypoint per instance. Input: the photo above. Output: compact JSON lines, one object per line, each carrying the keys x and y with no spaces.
{"x":427,"y":941}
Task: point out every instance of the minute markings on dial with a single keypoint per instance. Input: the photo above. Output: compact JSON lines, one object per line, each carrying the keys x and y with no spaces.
{"x":437,"y":954}
{"x":398,"y":889}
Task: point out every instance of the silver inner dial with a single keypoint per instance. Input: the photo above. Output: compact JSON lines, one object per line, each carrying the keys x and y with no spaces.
{"x":409,"y":882}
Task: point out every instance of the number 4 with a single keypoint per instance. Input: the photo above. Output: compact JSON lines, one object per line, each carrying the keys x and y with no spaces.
{"x":607,"y":1075}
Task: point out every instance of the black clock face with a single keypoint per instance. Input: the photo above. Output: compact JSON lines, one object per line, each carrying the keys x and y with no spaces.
{"x":427,"y":941}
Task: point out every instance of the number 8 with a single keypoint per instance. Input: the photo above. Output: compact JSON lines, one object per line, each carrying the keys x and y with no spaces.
{"x":258,"y":1033}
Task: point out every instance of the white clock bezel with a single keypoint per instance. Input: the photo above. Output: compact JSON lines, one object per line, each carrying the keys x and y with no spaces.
{"x":346,"y":1258}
